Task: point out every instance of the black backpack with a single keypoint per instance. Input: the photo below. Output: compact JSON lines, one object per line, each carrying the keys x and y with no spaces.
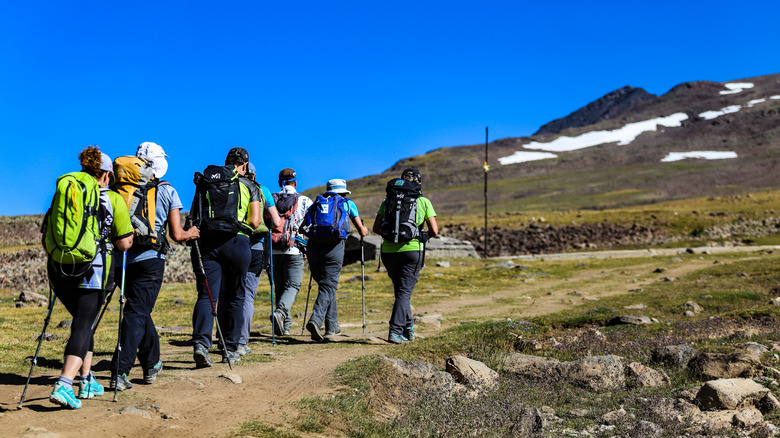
{"x":217,"y":199}
{"x":399,"y":223}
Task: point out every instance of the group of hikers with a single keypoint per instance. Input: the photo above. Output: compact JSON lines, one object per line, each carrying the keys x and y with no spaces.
{"x":109,"y":226}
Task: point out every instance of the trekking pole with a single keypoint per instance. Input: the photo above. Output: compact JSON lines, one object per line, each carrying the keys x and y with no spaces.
{"x":363,"y":281}
{"x":100,"y":316}
{"x":211,"y":301}
{"x":119,"y":331}
{"x":271,"y":281}
{"x":52,"y":298}
{"x":306,"y":310}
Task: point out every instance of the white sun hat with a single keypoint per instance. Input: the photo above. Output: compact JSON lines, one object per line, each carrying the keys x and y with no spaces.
{"x":154,"y":153}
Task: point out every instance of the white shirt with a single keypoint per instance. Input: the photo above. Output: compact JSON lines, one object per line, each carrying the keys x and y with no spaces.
{"x":297,"y":217}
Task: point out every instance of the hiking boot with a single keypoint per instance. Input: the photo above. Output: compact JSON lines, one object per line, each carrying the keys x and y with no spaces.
{"x":316,"y":332}
{"x":333,"y":333}
{"x":278,"y":321}
{"x":287,"y":332}
{"x":243,"y":350}
{"x":90,"y":388}
{"x":409,"y":333}
{"x":120,"y":383}
{"x":150,"y":375}
{"x":201,"y":356}
{"x":233,"y":356}
{"x":395,"y":338}
{"x":63,"y":396}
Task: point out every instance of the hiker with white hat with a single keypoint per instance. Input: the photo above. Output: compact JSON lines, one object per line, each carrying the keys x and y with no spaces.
{"x":326,"y":225}
{"x":146,"y":268}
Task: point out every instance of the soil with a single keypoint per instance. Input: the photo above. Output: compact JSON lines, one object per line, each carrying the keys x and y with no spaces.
{"x":198,"y":402}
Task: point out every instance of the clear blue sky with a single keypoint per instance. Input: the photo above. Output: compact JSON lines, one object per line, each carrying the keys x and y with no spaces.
{"x":334,"y":89}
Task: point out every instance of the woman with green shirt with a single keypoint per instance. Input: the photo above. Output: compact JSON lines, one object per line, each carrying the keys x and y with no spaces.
{"x":404,"y":260}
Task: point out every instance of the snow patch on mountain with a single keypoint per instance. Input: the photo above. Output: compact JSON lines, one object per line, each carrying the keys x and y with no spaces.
{"x":706,"y":155}
{"x":524,"y":156}
{"x":736,"y":87}
{"x":709,"y":115}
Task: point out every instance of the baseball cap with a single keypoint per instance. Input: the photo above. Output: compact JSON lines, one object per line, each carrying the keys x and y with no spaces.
{"x":153,"y":152}
{"x":105,"y":163}
{"x":251,"y":169}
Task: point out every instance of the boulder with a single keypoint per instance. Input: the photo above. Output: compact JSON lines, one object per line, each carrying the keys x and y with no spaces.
{"x":595,"y":372}
{"x":714,"y":420}
{"x":775,"y":301}
{"x":692,"y":306}
{"x":747,"y":418}
{"x":642,"y":376}
{"x":471,"y":373}
{"x":723,"y":366}
{"x":443,"y":264}
{"x":618,"y":416}
{"x":430,"y":378}
{"x":755,"y":349}
{"x":768,"y":404}
{"x":528,"y":365}
{"x":33,"y":298}
{"x":529,"y":423}
{"x":723,"y":394}
{"x":630,"y":319}
{"x":674,"y":356}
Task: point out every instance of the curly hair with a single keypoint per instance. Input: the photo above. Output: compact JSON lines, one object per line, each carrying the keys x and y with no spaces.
{"x":90,"y":159}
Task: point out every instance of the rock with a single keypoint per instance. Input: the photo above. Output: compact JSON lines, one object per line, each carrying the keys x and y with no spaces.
{"x":645,"y":377}
{"x":528,"y":365}
{"x":429,"y":376}
{"x":775,"y":301}
{"x":134,"y":410}
{"x":528,"y":345}
{"x":630,"y":319}
{"x":725,"y":394}
{"x":595,"y":372}
{"x":443,"y":264}
{"x":690,"y":393}
{"x":723,"y":366}
{"x":668,"y":278}
{"x":755,"y":350}
{"x":233,"y":377}
{"x":689,"y":313}
{"x":768,"y":404}
{"x":65,"y":324}
{"x":575,"y":293}
{"x":691,"y":305}
{"x":529,"y":423}
{"x":674,"y":356}
{"x":580,"y":413}
{"x":471,"y":373}
{"x":507,"y":264}
{"x":48,"y":336}
{"x":19,"y":304}
{"x":747,"y":418}
{"x":714,"y":420}
{"x":616,"y":417}
{"x":659,"y":270}
{"x":434,"y":320}
{"x":178,"y":303}
{"x":635,"y":307}
{"x":33,"y":298}
{"x":768,"y":429}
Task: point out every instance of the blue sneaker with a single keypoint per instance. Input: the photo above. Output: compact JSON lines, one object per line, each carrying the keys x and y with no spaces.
{"x":63,"y":396}
{"x":409,"y":333}
{"x":91,"y":388}
{"x":395,"y":338}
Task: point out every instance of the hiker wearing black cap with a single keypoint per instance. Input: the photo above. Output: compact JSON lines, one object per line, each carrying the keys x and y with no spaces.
{"x":146,"y":269}
{"x":326,"y":225}
{"x":226,"y":222}
{"x":403,"y":245}
{"x":81,"y":287}
{"x":288,"y":257}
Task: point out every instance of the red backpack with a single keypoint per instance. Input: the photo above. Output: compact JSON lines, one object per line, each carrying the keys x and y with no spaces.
{"x":283,"y":237}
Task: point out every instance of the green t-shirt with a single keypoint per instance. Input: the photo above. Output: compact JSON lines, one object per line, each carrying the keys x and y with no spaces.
{"x":424,"y":211}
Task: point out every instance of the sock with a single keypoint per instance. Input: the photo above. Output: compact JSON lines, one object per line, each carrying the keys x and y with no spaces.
{"x":86,"y":378}
{"x":65,"y":381}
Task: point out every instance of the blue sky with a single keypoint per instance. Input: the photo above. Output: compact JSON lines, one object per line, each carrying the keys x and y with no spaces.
{"x":334,"y":89}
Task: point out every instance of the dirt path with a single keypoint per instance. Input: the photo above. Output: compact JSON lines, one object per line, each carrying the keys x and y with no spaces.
{"x":201,"y":403}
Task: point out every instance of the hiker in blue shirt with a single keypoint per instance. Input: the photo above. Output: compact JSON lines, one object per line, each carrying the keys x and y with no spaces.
{"x":326,"y":255}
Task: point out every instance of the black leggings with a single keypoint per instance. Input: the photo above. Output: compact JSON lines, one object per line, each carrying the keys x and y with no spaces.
{"x":83,"y":305}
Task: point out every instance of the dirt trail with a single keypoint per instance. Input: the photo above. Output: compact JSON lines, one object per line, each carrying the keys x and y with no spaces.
{"x":203,"y":404}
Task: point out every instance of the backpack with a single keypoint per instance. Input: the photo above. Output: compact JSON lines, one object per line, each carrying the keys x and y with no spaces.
{"x":283,"y":237}
{"x":217,"y":201}
{"x":136,"y":183}
{"x":71,"y":227}
{"x":399,"y":223}
{"x":327,"y":220}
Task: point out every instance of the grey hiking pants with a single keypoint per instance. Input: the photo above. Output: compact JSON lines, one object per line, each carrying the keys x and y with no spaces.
{"x":325,"y":262}
{"x":288,"y":275}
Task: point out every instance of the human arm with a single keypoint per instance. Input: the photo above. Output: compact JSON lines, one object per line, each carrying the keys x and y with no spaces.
{"x":377,"y":224}
{"x":177,"y":232}
{"x":124,"y":243}
{"x":255,"y":214}
{"x":363,"y":231}
{"x":433,"y":227}
{"x":275,"y":219}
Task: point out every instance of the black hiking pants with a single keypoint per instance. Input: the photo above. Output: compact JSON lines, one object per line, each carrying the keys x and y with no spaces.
{"x":403,"y":268}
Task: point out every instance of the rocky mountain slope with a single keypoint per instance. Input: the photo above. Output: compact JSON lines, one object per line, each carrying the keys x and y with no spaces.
{"x":624,"y":158}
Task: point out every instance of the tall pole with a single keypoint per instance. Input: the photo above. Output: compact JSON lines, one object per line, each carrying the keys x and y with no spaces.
{"x":486,"y":168}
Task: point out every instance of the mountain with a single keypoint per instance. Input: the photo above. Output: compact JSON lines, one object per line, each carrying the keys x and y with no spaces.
{"x":629,"y":155}
{"x":610,"y":106}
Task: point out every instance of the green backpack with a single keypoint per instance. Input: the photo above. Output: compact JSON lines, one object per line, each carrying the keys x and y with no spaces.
{"x":71,"y":228}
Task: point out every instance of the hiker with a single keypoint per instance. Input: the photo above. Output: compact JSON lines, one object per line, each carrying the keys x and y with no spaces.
{"x":257,"y":244}
{"x":226,"y":222}
{"x":81,"y":287}
{"x":403,"y":245}
{"x":288,"y":257}
{"x":327,"y":227}
{"x":139,"y":182}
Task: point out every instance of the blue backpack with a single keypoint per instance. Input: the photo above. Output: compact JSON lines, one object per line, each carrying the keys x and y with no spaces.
{"x":327,"y":220}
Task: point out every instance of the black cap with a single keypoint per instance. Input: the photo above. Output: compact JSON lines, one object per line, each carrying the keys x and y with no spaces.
{"x":237,"y":156}
{"x":412,"y":174}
